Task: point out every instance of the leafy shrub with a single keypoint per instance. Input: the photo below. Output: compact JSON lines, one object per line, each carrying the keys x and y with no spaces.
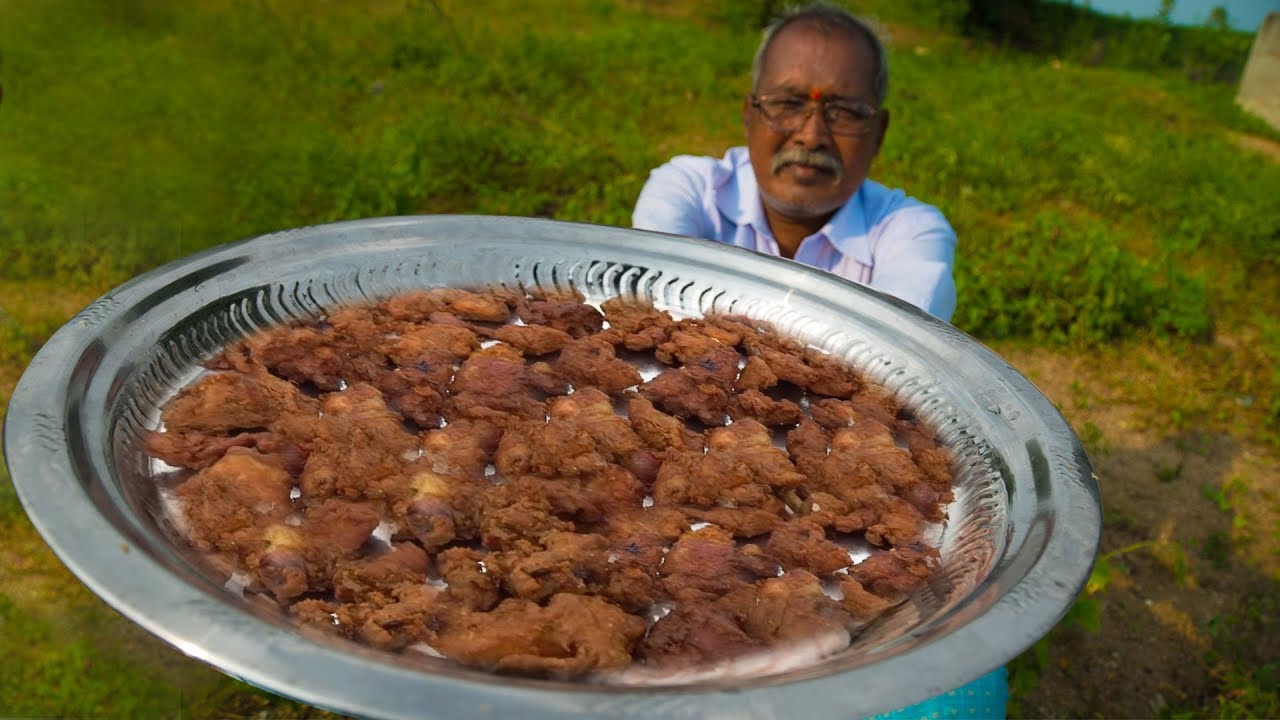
{"x":1060,"y":282}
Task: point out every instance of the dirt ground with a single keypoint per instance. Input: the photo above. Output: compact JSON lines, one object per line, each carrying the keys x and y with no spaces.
{"x":1190,"y":536}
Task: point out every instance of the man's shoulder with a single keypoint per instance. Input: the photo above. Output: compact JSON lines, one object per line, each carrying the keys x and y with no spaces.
{"x":880,"y":203}
{"x":713,"y":169}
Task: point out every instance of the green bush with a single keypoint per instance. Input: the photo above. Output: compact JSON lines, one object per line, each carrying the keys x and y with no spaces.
{"x":1064,"y":283}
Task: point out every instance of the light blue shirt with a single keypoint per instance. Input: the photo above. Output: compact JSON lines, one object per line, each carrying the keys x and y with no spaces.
{"x":880,"y":238}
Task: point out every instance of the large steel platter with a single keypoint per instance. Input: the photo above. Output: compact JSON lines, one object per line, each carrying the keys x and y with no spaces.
{"x":1018,"y":544}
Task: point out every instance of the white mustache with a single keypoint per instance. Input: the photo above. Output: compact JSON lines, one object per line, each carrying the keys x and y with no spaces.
{"x":807,"y":157}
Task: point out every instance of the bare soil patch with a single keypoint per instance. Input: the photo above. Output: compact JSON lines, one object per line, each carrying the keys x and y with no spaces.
{"x":1189,"y":520}
{"x":1257,"y":144}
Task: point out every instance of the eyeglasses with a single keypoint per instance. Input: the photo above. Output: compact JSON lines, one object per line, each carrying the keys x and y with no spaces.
{"x":789,"y":113}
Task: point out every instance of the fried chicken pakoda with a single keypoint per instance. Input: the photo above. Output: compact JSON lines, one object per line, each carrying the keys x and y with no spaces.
{"x":537,"y":485}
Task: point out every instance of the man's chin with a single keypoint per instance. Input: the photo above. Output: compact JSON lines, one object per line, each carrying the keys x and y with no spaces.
{"x":801,"y":207}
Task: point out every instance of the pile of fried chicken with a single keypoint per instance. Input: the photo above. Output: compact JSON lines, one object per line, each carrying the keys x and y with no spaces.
{"x":488,"y":476}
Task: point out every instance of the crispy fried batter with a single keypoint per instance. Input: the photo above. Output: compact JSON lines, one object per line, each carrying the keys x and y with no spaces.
{"x":571,"y":635}
{"x":475,"y":485}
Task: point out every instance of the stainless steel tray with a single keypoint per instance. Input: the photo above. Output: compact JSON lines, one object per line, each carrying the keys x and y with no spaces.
{"x":1018,"y":544}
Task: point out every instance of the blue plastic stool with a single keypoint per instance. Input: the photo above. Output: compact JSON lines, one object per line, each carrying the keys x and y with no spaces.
{"x":983,"y":698}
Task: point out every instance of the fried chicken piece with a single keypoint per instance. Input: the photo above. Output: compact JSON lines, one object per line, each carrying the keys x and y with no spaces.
{"x":659,"y":430}
{"x":470,"y":580}
{"x":302,"y":557}
{"x":689,"y":343}
{"x":935,"y":461}
{"x":569,"y":315}
{"x":875,"y":402}
{"x":630,"y":316}
{"x":624,"y":574}
{"x":793,"y":608}
{"x":355,"y":579}
{"x":641,"y":326}
{"x":281,"y":566}
{"x":707,"y":563}
{"x":531,"y":340}
{"x":589,"y":497}
{"x":864,"y":472}
{"x":718,"y":364}
{"x":584,"y":435}
{"x":786,"y":366}
{"x":885,"y":518}
{"x":742,"y":468}
{"x":807,"y":446}
{"x":591,"y":362}
{"x":573,"y":635}
{"x":742,"y":522}
{"x":747,"y":330}
{"x":302,"y":354}
{"x":427,"y":343}
{"x":463,"y":447}
{"x":693,"y":634}
{"x":226,"y":402}
{"x":831,"y":375}
{"x":869,"y":404}
{"x":359,"y":327}
{"x":765,"y":410}
{"x":755,"y":375}
{"x":358,"y":447}
{"x":494,"y":384}
{"x":408,"y":620}
{"x":197,"y":451}
{"x":831,"y":413}
{"x":415,"y":305}
{"x":644,"y":532}
{"x":861,"y":605}
{"x":437,"y":509}
{"x":530,"y":519}
{"x":802,"y":544}
{"x":677,"y":392}
{"x":420,"y":305}
{"x":417,"y":392}
{"x":229,"y":505}
{"x":873,"y":444}
{"x":484,"y":307}
{"x":568,"y":563}
{"x":702,"y":389}
{"x":893,"y":574}
{"x":388,"y":623}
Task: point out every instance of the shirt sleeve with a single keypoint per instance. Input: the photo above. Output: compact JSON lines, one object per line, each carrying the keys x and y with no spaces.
{"x":671,"y":201}
{"x":915,"y":260}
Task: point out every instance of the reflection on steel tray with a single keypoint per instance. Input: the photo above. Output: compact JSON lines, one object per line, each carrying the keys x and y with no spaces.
{"x":1016,"y":548}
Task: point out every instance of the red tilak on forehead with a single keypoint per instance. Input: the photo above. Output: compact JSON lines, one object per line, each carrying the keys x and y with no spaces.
{"x":815,"y":94}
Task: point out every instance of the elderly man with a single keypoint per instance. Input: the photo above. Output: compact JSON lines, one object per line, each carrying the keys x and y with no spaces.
{"x":814,"y":121}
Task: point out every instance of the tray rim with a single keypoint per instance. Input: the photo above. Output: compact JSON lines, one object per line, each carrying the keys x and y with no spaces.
{"x":88,"y":542}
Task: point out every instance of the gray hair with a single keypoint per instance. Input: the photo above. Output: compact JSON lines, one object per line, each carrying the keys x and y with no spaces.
{"x":827,"y":18}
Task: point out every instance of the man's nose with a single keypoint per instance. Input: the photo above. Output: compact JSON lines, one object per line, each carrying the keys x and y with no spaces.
{"x":813,"y":131}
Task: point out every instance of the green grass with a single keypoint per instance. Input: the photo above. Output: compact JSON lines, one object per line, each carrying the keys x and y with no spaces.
{"x":1099,"y":200}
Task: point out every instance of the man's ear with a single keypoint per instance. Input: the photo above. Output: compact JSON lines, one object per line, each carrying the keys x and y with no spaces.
{"x":882,"y":127}
{"x":746,"y":115}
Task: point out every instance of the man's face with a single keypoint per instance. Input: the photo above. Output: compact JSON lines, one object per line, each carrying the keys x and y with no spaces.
{"x":804,"y":62}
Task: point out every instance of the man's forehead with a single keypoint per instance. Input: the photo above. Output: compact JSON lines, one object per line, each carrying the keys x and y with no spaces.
{"x":802,"y":39}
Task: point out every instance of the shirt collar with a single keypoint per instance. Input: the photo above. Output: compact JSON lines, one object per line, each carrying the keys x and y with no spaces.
{"x":740,"y":199}
{"x":847,"y":229}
